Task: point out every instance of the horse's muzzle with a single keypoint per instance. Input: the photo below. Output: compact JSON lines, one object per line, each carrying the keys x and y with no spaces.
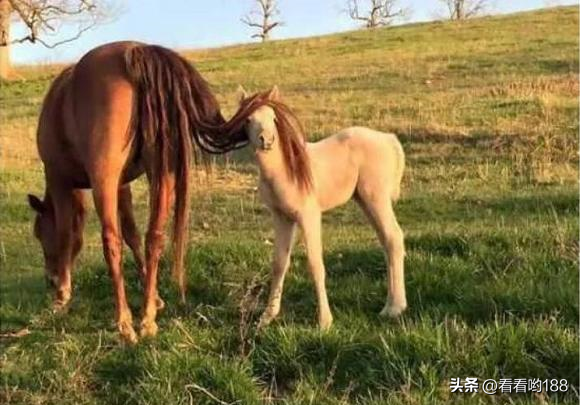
{"x":51,"y":281}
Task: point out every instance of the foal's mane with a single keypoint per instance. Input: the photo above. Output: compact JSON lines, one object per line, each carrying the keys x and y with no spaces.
{"x":290,"y":134}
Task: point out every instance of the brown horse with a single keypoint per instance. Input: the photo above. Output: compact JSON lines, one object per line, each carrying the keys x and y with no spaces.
{"x":123,"y":110}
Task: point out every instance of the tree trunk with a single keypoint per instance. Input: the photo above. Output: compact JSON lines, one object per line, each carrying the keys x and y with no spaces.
{"x":4,"y":39}
{"x":265,"y":33}
{"x":459,"y":10}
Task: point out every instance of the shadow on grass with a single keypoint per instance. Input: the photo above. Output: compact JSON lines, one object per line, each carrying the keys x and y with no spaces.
{"x":22,"y":298}
{"x":477,"y":279}
{"x":542,"y":203}
{"x":118,"y":373}
{"x":551,"y":205}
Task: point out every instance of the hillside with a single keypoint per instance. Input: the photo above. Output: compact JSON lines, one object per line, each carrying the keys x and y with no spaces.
{"x":488,"y":114}
{"x":510,"y":76}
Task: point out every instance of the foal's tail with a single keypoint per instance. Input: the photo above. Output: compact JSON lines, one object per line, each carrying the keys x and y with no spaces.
{"x":400,"y":168}
{"x":170,"y":99}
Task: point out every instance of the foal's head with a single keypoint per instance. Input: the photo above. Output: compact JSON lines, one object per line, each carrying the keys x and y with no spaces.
{"x":261,"y":124}
{"x":45,"y":232}
{"x":273,"y":126}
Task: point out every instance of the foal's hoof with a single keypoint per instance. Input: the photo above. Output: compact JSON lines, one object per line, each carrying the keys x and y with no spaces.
{"x":325,"y":323}
{"x":149,"y":329}
{"x":127,"y":333}
{"x":393,"y":310}
{"x":265,"y":320}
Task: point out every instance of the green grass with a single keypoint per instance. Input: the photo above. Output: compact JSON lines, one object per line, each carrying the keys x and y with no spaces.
{"x":488,"y":114}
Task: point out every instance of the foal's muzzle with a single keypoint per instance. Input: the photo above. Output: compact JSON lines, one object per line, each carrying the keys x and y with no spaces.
{"x":265,"y":145}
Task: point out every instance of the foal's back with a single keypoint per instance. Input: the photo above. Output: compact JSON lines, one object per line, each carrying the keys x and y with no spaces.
{"x":355,"y":158}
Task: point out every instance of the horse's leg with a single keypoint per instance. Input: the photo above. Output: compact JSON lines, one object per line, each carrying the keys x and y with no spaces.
{"x":62,"y":199}
{"x":283,"y":241}
{"x":382,"y":216}
{"x":106,"y":193}
{"x":310,"y":224}
{"x":154,"y":243}
{"x":78,"y":222}
{"x":129,"y":227}
{"x":70,"y":215}
{"x":131,"y":234}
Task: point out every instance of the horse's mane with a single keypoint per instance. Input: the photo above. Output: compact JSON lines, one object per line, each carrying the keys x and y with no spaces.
{"x":290,"y":133}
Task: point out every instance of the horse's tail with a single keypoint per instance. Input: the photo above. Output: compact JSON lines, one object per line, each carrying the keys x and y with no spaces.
{"x":171,"y":99}
{"x":400,"y":168}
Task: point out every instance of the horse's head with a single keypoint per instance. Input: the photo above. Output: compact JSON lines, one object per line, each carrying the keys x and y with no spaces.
{"x":45,"y":232}
{"x":261,"y":124}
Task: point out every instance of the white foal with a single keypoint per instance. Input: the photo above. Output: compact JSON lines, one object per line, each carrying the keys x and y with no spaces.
{"x":300,"y":180}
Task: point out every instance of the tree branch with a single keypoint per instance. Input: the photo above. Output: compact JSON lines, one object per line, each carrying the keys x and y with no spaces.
{"x":45,"y":17}
{"x":266,"y":10}
{"x":464,"y":9}
{"x":378,"y":12}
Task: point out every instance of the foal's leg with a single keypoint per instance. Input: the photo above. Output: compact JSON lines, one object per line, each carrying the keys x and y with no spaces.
{"x":310,"y":224}
{"x":105,"y":192}
{"x":381,"y":214}
{"x":131,"y":234}
{"x":284,"y":238}
{"x":154,"y":242}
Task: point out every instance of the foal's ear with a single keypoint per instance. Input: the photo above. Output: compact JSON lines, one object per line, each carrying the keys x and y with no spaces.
{"x":36,"y":203}
{"x":274,"y":94}
{"x":242,"y":93}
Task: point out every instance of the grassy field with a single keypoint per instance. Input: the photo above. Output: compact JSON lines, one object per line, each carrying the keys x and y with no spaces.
{"x":488,"y":114}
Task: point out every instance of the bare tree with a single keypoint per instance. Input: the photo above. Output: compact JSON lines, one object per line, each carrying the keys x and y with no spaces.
{"x":43,"y":22}
{"x":262,"y":18}
{"x":376,"y":13}
{"x":464,"y":9}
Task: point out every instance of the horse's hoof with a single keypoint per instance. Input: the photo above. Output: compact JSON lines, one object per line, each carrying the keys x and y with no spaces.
{"x":149,"y":329}
{"x":393,"y":310}
{"x":128,"y":334}
{"x":60,"y":306}
{"x":160,"y":303}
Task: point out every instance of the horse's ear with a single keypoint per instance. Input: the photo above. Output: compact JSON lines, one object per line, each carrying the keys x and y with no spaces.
{"x":36,"y":203}
{"x":274,"y":94}
{"x":242,"y":93}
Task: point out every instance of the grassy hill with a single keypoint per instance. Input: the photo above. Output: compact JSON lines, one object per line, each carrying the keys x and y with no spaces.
{"x":488,"y":114}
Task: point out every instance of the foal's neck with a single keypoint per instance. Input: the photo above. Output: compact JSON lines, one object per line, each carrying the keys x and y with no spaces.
{"x":273,"y":167}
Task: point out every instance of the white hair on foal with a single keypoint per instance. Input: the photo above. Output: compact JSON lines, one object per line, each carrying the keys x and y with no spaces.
{"x":356,"y":162}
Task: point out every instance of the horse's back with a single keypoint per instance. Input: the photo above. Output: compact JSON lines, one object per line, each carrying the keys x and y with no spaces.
{"x":101,"y":91}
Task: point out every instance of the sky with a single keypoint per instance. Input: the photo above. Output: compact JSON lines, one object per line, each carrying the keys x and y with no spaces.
{"x":190,"y":24}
